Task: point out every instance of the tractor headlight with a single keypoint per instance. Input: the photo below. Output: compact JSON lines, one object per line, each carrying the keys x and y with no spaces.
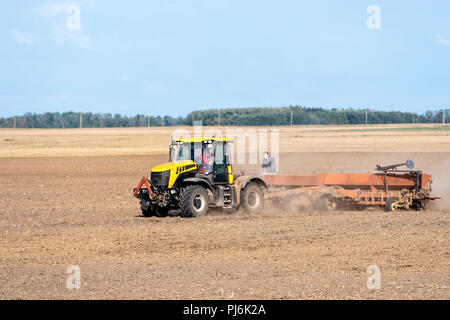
{"x":160,"y":179}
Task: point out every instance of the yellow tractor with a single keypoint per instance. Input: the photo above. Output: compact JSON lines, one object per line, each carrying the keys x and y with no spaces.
{"x":198,"y":176}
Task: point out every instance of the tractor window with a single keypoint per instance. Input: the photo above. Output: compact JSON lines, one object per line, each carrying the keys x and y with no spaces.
{"x":197,"y":153}
{"x":227,"y":153}
{"x":219,"y":153}
{"x":184,"y":152}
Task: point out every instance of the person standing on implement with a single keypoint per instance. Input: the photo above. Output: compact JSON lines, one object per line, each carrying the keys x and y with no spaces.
{"x":268,"y":165}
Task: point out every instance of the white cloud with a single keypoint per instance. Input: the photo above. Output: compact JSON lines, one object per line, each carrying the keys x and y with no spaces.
{"x":442,"y":40}
{"x":57,"y":14}
{"x":22,"y":37}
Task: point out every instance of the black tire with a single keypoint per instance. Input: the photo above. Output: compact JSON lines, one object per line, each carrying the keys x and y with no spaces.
{"x":252,"y":198}
{"x":161,"y":212}
{"x":326,"y":202}
{"x":194,"y":201}
{"x":146,"y":208}
{"x":155,"y":212}
{"x":390,"y":204}
{"x":147,"y":213}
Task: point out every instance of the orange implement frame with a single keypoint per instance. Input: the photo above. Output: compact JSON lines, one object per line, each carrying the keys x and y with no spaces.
{"x":410,"y":187}
{"x":353,"y":180}
{"x":144,"y":181}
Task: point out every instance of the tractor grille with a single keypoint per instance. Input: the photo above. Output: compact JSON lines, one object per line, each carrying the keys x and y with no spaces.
{"x":160,"y":179}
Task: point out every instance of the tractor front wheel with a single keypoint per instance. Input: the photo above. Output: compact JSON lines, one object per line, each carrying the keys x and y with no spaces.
{"x":161,"y":212}
{"x":155,"y":212}
{"x":194,"y":201}
{"x":147,"y":213}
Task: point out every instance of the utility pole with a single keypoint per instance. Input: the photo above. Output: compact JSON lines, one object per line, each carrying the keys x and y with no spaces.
{"x":14,"y":122}
{"x":148,"y":120}
{"x":218,"y":121}
{"x":366,"y":117}
{"x":291,"y":118}
{"x":81,"y":120}
{"x":443,"y":117}
{"x":413,"y":117}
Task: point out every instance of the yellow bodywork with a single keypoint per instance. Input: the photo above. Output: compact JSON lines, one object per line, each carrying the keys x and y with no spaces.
{"x":176,"y":168}
{"x":202,"y":139}
{"x":230,"y":175}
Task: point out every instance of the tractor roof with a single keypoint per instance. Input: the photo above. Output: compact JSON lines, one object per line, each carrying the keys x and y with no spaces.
{"x":204,"y":139}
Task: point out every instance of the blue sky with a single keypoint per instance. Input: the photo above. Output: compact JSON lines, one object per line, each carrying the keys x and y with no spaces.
{"x":174,"y":56}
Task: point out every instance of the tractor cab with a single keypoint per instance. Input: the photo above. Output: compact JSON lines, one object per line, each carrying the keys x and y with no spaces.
{"x":211,"y":155}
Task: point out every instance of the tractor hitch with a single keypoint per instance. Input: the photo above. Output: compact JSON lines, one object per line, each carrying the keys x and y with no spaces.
{"x":144,"y":181}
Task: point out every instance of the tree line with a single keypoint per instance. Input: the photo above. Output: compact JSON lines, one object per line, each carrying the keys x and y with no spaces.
{"x":295,"y":115}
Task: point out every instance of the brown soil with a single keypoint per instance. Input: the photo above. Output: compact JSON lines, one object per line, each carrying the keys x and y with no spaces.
{"x":62,"y":211}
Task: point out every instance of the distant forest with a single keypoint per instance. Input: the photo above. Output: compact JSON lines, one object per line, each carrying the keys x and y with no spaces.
{"x":230,"y":117}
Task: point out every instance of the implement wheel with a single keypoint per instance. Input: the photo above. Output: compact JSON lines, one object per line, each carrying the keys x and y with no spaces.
{"x":252,"y":198}
{"x":327,"y":202}
{"x":391,"y":204}
{"x":194,"y":201}
{"x":424,"y":205}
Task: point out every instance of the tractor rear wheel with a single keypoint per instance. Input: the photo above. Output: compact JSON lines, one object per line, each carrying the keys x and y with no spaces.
{"x":391,"y":204}
{"x":252,"y":198}
{"x":194,"y":201}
